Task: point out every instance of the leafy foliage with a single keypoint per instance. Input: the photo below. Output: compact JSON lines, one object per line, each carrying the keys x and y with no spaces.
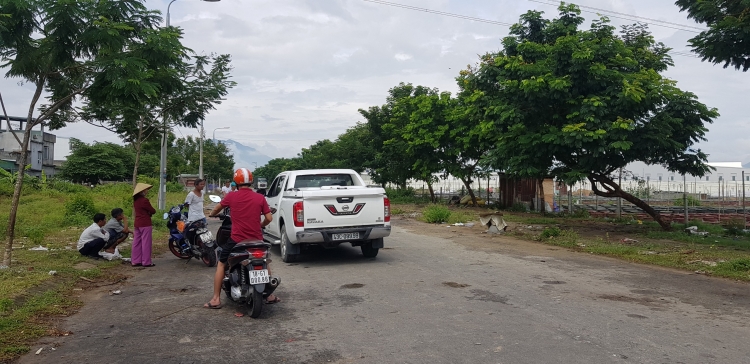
{"x":580,"y":104}
{"x":728,"y":38}
{"x":436,"y":214}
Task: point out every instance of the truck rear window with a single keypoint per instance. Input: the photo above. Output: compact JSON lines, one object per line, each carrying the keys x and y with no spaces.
{"x":321,"y":180}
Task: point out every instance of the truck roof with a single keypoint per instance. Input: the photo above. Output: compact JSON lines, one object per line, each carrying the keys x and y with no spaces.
{"x":323,"y":171}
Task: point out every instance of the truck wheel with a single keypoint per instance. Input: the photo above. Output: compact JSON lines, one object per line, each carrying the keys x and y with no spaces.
{"x":368,"y":251}
{"x":286,"y":247}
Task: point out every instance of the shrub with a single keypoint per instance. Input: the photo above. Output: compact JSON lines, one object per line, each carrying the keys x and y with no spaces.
{"x":518,"y":207}
{"x":436,"y":214}
{"x":80,"y":205}
{"x":403,"y":196}
{"x":691,"y":200}
{"x":66,"y":187}
{"x":735,"y":226}
{"x":173,"y":187}
{"x":737,"y":265}
{"x":551,"y":232}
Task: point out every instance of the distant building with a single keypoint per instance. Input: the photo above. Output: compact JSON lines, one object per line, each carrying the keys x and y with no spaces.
{"x":40,"y":153}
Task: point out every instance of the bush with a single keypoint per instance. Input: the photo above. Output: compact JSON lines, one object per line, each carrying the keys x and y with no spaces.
{"x":691,"y":200}
{"x":403,"y":196}
{"x":551,"y":232}
{"x":436,"y":214}
{"x":735,"y":226}
{"x":66,"y":187}
{"x":173,"y":187}
{"x":80,"y":205}
{"x":518,"y":207}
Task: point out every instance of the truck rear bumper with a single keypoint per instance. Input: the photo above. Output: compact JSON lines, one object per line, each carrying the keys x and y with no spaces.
{"x":325,"y":235}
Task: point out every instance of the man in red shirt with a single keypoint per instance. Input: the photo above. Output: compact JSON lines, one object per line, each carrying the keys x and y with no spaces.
{"x":246,"y":207}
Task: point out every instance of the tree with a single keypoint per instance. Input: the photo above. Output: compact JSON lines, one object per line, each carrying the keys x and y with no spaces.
{"x":580,"y":104}
{"x":277,"y":165}
{"x":728,"y":38}
{"x":62,"y":48}
{"x":354,"y":148}
{"x":390,"y":164}
{"x":184,"y":158}
{"x":97,"y":162}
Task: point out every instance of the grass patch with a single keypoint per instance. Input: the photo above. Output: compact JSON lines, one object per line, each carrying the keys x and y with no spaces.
{"x":436,"y":214}
{"x":53,"y":216}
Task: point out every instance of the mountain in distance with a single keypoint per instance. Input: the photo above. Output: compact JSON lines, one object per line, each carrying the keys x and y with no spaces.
{"x":245,"y":156}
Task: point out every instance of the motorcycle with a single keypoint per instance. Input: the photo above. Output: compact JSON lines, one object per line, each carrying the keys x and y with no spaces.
{"x":202,"y":246}
{"x":246,"y":279}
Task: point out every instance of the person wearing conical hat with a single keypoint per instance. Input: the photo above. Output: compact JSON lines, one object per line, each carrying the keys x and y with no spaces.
{"x":142,"y":238}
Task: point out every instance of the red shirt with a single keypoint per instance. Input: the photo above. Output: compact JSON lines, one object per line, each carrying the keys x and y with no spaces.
{"x":142,"y":210}
{"x":246,"y":207}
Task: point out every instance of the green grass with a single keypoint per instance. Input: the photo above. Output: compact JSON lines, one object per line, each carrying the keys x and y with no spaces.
{"x":49,"y":217}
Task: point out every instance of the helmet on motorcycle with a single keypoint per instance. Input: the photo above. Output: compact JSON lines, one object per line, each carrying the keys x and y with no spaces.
{"x":243,"y":176}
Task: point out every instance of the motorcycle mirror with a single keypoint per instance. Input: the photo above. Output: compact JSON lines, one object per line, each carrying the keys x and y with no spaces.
{"x":166,"y":216}
{"x":214,"y":198}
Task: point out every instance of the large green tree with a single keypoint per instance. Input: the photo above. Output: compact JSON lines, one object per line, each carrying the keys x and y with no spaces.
{"x":184,"y":158}
{"x":579,"y":104}
{"x":61,"y":48}
{"x":277,"y":165}
{"x":97,"y":162}
{"x":727,"y":39}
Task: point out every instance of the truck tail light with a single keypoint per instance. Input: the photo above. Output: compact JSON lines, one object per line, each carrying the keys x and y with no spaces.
{"x":299,"y":214}
{"x":387,"y":209}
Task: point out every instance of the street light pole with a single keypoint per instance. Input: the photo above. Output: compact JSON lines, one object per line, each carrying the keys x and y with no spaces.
{"x":164,"y":137}
{"x":200,"y":164}
{"x":214,"y":134}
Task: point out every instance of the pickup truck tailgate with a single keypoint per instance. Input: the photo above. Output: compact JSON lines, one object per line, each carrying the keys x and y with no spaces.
{"x":328,"y":207}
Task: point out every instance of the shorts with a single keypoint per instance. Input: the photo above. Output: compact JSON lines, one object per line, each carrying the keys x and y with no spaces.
{"x":226,"y":249}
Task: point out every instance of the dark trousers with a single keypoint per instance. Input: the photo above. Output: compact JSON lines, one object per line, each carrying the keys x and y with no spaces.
{"x":93,"y":247}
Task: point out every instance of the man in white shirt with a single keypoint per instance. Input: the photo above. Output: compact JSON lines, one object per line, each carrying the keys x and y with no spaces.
{"x":226,"y":189}
{"x":94,"y":238}
{"x":194,"y":202}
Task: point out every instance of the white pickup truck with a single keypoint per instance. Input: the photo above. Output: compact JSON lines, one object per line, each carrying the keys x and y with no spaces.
{"x":326,"y":207}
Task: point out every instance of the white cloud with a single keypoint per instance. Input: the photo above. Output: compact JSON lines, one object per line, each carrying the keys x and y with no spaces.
{"x":305,"y":67}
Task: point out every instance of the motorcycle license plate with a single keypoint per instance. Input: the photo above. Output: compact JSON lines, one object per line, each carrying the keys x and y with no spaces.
{"x":345,"y":236}
{"x":259,"y":276}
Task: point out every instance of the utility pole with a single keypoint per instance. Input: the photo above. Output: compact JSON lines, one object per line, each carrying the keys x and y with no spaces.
{"x":619,"y":199}
{"x":684,"y":198}
{"x":200,"y":163}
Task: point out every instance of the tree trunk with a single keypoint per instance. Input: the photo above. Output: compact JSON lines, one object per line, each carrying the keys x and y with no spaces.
{"x":432,"y":191}
{"x":11,"y":230}
{"x":612,"y":189}
{"x":471,"y":192}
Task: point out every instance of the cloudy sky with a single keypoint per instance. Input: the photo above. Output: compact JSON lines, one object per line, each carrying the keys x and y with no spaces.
{"x":304,"y":67}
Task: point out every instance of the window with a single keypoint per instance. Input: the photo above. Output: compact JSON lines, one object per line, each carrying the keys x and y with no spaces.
{"x":277,"y":186}
{"x":671,"y":178}
{"x":321,"y":180}
{"x":39,"y":157}
{"x":734,"y":178}
{"x":46,"y":153}
{"x":659,"y":178}
{"x":707,"y":178}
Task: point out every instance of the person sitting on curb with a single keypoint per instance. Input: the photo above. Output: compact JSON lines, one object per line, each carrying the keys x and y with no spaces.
{"x":117,"y":227}
{"x":94,"y":238}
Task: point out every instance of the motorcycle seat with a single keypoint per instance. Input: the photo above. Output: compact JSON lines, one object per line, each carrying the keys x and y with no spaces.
{"x":251,"y":244}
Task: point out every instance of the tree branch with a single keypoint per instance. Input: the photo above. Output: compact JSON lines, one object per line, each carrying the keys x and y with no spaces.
{"x":8,"y":120}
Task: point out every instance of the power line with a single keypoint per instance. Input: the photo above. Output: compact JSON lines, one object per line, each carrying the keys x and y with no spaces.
{"x":494,"y":22}
{"x":459,"y":16}
{"x":661,"y":23}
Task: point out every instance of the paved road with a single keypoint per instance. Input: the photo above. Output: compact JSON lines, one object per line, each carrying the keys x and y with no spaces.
{"x":422,"y":300}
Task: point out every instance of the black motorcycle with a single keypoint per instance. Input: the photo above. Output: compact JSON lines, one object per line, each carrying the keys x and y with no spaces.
{"x":193,"y":240}
{"x":246,"y":278}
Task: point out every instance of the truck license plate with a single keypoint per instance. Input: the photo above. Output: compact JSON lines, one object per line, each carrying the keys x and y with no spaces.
{"x":259,"y":276}
{"x":345,"y":236}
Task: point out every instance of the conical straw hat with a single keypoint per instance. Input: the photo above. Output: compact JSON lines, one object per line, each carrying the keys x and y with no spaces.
{"x":141,"y":187}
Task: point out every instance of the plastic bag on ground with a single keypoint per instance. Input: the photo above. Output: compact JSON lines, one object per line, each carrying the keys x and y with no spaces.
{"x":111,"y":256}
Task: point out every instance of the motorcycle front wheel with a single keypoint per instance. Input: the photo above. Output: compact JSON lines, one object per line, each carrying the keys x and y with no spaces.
{"x":256,"y":305}
{"x":176,"y":250}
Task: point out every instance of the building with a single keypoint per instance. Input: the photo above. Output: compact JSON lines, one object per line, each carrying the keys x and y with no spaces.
{"x":40,"y":153}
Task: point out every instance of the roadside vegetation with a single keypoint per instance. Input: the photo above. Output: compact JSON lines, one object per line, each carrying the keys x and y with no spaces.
{"x":39,"y":285}
{"x":716,"y":250}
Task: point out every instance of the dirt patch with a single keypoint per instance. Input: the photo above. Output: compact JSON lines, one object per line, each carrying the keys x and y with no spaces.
{"x":352,"y":286}
{"x":638,"y":300}
{"x":455,"y":285}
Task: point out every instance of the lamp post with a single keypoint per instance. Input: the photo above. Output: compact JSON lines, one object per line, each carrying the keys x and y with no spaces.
{"x":163,"y":160}
{"x":200,"y":153}
{"x":214,"y":134}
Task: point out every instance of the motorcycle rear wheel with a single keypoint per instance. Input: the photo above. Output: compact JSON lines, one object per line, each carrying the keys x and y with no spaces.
{"x":256,"y":305}
{"x":209,"y":257}
{"x":176,"y":250}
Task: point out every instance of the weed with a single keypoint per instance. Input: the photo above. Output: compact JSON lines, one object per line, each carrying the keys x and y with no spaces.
{"x":556,"y":236}
{"x":518,"y":207}
{"x":82,"y":205}
{"x":459,"y":217}
{"x":550,"y":232}
{"x":397,"y":211}
{"x":436,"y":214}
{"x":404,"y":196}
{"x":735,"y":226}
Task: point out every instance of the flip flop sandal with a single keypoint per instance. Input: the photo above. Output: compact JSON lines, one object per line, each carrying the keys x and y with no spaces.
{"x":276,"y":299}
{"x":150,"y":265}
{"x":213,"y":307}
